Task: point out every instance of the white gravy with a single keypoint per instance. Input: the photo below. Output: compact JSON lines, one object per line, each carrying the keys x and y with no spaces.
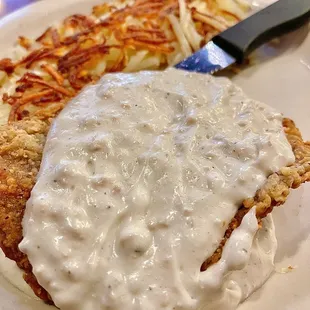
{"x":141,"y":176}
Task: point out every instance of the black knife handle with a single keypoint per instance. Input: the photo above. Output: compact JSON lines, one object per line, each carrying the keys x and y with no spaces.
{"x":277,"y":19}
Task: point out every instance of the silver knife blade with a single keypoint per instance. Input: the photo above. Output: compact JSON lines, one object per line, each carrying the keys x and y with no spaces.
{"x":209,"y":59}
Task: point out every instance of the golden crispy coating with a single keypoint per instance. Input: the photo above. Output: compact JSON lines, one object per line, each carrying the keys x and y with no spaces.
{"x":65,"y":58}
{"x":276,"y":189}
{"x":21,"y":146}
{"x":67,"y":62}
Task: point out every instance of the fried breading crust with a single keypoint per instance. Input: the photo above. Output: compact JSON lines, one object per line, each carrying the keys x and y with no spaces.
{"x":21,"y":147}
{"x":276,"y":189}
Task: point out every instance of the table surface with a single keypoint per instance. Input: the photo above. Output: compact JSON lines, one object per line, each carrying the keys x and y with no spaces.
{"x":8,"y":6}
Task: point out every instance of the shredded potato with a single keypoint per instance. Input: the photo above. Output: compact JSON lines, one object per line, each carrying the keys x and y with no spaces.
{"x":118,"y":36}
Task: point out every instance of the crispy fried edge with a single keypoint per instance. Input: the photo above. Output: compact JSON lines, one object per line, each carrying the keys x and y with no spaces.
{"x":276,"y":189}
{"x":274,"y":193}
{"x":21,"y":146}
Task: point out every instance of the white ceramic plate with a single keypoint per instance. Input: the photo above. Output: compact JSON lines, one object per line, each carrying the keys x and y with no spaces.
{"x":281,"y":78}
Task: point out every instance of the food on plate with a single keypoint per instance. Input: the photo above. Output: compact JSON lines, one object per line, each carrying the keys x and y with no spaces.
{"x":45,"y":73}
{"x":118,"y":36}
{"x":276,"y":189}
{"x":130,"y":36}
{"x":21,"y":146}
{"x":142,"y":176}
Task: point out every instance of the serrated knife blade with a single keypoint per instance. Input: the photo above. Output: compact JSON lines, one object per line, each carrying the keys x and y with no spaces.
{"x":209,"y":59}
{"x":236,"y":43}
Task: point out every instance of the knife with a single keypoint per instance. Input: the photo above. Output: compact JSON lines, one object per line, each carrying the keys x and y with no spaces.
{"x":236,"y":43}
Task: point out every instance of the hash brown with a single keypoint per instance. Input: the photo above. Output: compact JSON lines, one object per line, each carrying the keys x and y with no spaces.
{"x":22,"y":141}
